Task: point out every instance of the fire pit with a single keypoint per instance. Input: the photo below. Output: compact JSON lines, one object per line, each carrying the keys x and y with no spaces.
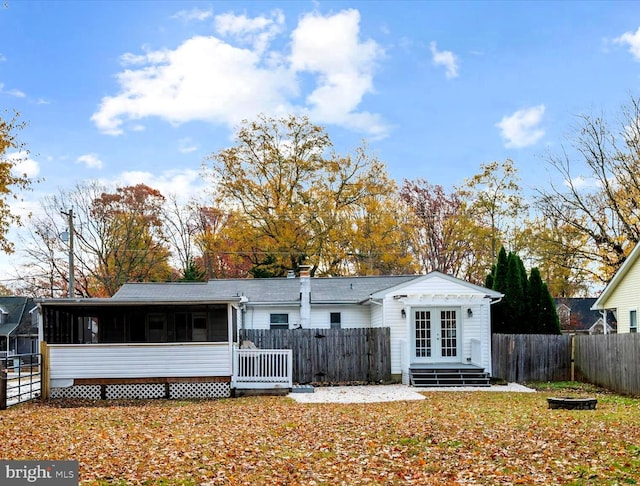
{"x":570,"y":403}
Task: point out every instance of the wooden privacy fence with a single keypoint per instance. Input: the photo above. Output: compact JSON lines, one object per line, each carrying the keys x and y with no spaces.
{"x":609,"y":360}
{"x":331,"y":355}
{"x":531,"y":357}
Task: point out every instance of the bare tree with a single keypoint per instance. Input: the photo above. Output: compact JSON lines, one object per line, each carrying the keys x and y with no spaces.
{"x":118,"y":238}
{"x":598,"y":192}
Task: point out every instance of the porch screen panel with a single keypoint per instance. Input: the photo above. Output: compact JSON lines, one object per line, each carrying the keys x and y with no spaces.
{"x":448,"y":336}
{"x":423,"y":334}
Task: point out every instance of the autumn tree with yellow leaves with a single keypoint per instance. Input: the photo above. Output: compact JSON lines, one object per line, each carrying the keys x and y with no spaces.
{"x":296,"y":201}
{"x":12,"y":152}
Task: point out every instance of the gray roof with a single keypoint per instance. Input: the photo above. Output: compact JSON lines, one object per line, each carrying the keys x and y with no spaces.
{"x":261,"y":290}
{"x":172,"y":292}
{"x":19,"y":318}
{"x":353,"y":289}
{"x":6,"y":329}
{"x":583,"y":315}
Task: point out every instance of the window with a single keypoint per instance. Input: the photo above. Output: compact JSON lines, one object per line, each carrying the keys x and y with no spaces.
{"x":335,"y":320}
{"x":633,"y":321}
{"x":279,"y":321}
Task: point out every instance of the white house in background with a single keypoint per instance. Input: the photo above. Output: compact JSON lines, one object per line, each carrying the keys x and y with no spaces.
{"x":176,"y":333}
{"x":622,"y":294}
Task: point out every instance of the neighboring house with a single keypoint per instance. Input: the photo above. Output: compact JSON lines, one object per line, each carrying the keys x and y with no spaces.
{"x":190,"y":330}
{"x":577,"y":317}
{"x":621,"y":296}
{"x":18,"y":326}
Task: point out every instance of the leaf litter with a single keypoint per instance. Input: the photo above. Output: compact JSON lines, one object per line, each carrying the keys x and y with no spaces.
{"x":448,"y":438}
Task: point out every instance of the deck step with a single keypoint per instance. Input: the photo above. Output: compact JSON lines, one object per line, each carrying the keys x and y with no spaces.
{"x":450,"y":376}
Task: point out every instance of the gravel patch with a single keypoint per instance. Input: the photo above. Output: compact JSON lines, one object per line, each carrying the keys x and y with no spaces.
{"x":389,"y":393}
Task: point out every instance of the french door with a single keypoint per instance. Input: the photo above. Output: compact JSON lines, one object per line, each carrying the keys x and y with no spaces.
{"x":435,"y":334}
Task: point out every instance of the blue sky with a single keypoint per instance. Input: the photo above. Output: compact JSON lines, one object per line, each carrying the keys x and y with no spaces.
{"x":130,"y":92}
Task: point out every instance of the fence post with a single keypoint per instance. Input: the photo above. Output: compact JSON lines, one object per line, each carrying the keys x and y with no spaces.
{"x":573,"y":358}
{"x":44,"y":370}
{"x":3,"y":385}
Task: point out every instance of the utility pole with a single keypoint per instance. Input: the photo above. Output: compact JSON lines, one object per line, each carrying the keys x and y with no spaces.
{"x":69,"y":215}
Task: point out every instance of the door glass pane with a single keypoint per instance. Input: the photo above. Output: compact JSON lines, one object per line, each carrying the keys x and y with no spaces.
{"x":423,"y":334}
{"x":448,"y":337}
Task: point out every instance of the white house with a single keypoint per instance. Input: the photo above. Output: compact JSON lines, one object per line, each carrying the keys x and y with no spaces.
{"x":169,"y":333}
{"x":621,"y":296}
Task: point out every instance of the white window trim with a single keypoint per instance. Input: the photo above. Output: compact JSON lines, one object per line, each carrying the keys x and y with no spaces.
{"x":280,"y":325}
{"x":338,"y":325}
{"x":633,"y":310}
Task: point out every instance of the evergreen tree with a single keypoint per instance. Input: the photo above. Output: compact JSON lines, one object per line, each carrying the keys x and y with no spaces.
{"x":525,"y":325}
{"x":500,"y":275}
{"x":535,"y":299}
{"x":193,"y":272}
{"x":549,"y":321}
{"x":514,"y":296}
{"x":488,"y":281}
{"x":499,"y":311}
{"x":527,"y":306}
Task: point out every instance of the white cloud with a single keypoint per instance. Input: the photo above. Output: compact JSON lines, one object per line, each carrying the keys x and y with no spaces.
{"x":184,"y":184}
{"x":330,"y":47}
{"x":257,"y":32}
{"x":632,"y":39}
{"x":91,"y":161}
{"x":186,"y":145}
{"x":3,"y":58}
{"x":12,"y":92}
{"x":521,"y":129}
{"x":582,"y":182}
{"x":23,"y":165}
{"x":203,"y":79}
{"x":193,"y":14}
{"x":226,"y":81}
{"x":42,"y":101}
{"x":444,"y":58}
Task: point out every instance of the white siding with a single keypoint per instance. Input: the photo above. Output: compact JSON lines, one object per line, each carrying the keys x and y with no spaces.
{"x":626,"y":297}
{"x":399,"y":330}
{"x":70,"y":361}
{"x":437,"y":286}
{"x":429,"y":292}
{"x":258,"y":317}
{"x":351,"y":316}
{"x":438,"y":292}
{"x":377,"y":315}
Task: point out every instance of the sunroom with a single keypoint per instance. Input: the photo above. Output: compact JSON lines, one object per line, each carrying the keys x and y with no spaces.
{"x":117,"y":348}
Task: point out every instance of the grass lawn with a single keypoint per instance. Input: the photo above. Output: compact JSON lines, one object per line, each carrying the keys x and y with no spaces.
{"x":449,"y":438}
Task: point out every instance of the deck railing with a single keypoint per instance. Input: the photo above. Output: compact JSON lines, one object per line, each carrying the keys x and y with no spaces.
{"x":262,"y":368}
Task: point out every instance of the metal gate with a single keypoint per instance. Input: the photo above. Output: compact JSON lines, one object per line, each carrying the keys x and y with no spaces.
{"x":20,"y":379}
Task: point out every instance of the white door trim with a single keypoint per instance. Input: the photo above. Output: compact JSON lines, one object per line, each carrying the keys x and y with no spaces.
{"x":431,"y":341}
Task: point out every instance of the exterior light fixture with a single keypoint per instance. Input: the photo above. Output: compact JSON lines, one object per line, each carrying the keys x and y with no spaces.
{"x":469,"y":312}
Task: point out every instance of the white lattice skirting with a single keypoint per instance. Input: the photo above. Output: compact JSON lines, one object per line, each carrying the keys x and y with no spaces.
{"x":91,"y":392}
{"x":144,"y":391}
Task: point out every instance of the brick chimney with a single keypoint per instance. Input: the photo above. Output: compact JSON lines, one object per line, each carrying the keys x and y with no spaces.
{"x":305,"y":296}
